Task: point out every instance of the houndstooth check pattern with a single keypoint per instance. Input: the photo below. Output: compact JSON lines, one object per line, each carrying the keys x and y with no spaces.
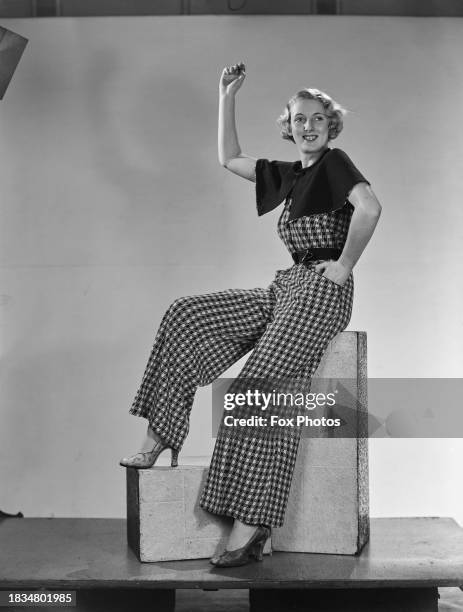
{"x":287,"y":326}
{"x":198,"y":339}
{"x":321,"y":230}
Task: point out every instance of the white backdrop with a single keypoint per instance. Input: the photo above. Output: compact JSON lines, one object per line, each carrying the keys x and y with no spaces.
{"x":113,"y":204}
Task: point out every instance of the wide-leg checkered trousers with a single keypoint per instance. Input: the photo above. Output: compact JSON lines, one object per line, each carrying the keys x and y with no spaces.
{"x":287,"y":326}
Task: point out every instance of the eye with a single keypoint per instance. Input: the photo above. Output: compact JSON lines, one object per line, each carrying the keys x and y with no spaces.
{"x":297,"y":119}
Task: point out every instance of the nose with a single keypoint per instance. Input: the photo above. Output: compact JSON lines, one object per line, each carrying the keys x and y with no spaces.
{"x":308,"y":124}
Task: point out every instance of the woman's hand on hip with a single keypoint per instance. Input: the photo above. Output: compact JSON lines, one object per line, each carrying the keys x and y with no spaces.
{"x":232,"y":78}
{"x":334,"y":271}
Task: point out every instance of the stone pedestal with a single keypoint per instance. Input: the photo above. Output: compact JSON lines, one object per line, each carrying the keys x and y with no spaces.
{"x":328,"y":506}
{"x":164,"y":520}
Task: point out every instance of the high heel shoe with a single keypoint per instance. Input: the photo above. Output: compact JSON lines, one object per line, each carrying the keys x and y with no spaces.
{"x":143,"y":461}
{"x":253,"y":549}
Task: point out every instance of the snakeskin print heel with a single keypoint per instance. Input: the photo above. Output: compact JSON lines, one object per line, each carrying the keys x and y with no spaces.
{"x":253,"y":549}
{"x":143,"y":461}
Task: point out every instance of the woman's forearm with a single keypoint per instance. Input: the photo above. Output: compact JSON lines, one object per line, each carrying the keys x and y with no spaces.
{"x":229,"y":146}
{"x":362,"y":225}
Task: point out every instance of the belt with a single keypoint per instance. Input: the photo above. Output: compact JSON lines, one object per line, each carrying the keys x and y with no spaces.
{"x":315,"y":254}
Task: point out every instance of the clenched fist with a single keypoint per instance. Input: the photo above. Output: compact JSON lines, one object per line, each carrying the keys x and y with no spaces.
{"x":232,"y":78}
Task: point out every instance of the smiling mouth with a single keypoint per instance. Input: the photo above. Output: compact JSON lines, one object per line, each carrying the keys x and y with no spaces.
{"x":310,"y":138}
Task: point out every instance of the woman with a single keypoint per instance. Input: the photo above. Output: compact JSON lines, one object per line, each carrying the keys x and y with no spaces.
{"x":329,"y":216}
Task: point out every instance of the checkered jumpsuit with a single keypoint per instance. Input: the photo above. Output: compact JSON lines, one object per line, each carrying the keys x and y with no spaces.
{"x":287,"y":326}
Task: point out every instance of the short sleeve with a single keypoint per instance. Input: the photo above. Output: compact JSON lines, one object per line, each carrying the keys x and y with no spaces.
{"x":342,"y":176}
{"x":274,"y":180}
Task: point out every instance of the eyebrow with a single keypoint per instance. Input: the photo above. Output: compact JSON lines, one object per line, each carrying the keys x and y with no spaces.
{"x":317,"y":113}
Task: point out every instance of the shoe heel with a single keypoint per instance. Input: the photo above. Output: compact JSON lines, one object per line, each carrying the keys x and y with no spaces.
{"x":257,"y":551}
{"x":174,"y":458}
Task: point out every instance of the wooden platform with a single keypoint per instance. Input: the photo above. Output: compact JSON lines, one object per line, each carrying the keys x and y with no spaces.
{"x":410,"y":557}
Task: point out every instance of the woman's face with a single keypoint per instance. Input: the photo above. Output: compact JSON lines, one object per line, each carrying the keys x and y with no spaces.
{"x":309,"y":126}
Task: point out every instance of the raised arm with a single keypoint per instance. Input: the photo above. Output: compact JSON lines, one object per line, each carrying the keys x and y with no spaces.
{"x":230,"y":154}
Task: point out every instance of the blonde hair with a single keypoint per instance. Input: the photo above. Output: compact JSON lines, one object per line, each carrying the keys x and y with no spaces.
{"x":334,"y":111}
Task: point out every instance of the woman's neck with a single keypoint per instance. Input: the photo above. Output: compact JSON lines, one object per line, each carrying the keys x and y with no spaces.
{"x":309,"y":159}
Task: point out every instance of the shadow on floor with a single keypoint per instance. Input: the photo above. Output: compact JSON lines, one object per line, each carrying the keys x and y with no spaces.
{"x":237,"y":600}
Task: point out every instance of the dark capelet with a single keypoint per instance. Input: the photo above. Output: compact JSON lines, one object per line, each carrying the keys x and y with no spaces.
{"x":320,"y":188}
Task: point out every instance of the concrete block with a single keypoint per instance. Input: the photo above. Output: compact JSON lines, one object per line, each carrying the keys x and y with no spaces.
{"x":164,"y":520}
{"x":327,"y":510}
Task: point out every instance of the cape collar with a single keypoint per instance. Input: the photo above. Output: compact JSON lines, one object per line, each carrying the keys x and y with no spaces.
{"x":297,"y":166}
